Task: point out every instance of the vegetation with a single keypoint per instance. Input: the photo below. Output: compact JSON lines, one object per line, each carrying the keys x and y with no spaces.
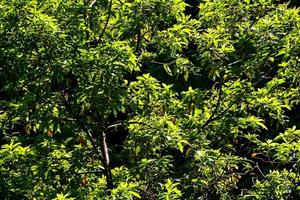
{"x":149,"y":99}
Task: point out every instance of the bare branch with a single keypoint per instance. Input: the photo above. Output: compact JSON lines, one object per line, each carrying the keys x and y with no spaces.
{"x":109,"y":181}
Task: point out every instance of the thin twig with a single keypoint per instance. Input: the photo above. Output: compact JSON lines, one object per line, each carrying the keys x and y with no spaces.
{"x":91,"y":172}
{"x":82,"y":126}
{"x":216,"y":107}
{"x":122,"y":124}
{"x":139,"y":38}
{"x":161,"y":63}
{"x":85,"y":16}
{"x":106,"y":23}
{"x":220,"y":115}
{"x":257,"y":167}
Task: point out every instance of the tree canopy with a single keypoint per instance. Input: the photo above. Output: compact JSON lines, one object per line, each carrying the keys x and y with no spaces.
{"x":149,"y":99}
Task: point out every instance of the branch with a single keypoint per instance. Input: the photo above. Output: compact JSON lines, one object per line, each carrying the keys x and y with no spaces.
{"x":122,"y":124}
{"x":91,"y":172}
{"x":107,"y":20}
{"x":138,"y":42}
{"x":220,"y":115}
{"x":81,"y":125}
{"x":109,"y":181}
{"x":260,"y":171}
{"x":85,"y":16}
{"x":217,"y":105}
{"x":161,"y":63}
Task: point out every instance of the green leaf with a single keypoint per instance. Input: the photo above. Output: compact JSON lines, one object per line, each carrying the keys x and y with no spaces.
{"x":15,"y":119}
{"x":134,"y":194}
{"x":167,"y":69}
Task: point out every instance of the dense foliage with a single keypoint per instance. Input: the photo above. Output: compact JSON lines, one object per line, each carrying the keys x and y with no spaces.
{"x":149,"y":99}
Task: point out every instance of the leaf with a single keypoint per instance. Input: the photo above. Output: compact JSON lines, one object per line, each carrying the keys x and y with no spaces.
{"x":271,"y":59}
{"x":180,"y":146}
{"x":135,"y":194}
{"x":261,"y":125}
{"x":168,"y":70}
{"x":283,"y":64}
{"x":55,"y":111}
{"x":15,"y":119}
{"x":212,"y":72}
{"x":185,"y":74}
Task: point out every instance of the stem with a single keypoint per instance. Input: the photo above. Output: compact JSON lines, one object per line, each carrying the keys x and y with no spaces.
{"x":236,"y":100}
{"x":85,"y":16}
{"x":107,"y":20}
{"x":81,"y":125}
{"x":109,"y":181}
{"x":216,"y":108}
{"x":138,"y":42}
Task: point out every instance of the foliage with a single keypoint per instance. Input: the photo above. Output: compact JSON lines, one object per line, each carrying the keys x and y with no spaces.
{"x":148,"y":99}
